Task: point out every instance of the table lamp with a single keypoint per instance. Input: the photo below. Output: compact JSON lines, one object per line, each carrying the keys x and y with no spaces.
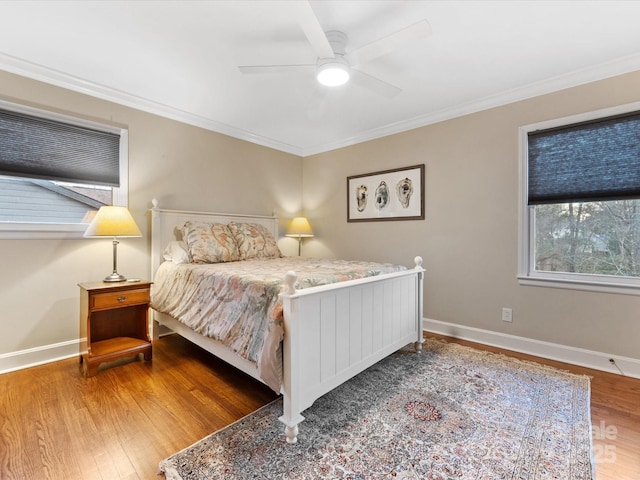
{"x":299,"y":227}
{"x":111,"y":221}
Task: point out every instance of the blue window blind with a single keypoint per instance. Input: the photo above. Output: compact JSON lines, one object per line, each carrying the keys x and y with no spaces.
{"x":35,"y":147}
{"x":583,"y":162}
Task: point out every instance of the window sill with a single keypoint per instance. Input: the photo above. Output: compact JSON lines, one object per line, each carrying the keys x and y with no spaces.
{"x":598,"y":284}
{"x":41,"y":231}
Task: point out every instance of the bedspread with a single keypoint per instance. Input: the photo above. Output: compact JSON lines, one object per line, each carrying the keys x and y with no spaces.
{"x":237,"y":303}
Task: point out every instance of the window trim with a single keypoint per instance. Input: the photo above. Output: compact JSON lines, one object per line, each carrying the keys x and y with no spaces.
{"x":37,"y":230}
{"x":527,"y":275}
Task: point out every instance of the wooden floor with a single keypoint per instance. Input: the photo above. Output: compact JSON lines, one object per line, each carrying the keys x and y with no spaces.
{"x":55,"y":424}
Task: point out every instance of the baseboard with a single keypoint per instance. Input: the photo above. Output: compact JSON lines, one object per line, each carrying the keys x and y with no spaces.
{"x":31,"y":357}
{"x":629,"y":367}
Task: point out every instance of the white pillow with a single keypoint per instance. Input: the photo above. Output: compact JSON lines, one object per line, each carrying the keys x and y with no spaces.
{"x":176,"y":252}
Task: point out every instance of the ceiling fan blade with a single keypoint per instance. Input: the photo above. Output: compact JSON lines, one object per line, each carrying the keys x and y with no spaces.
{"x":375,"y":84}
{"x":312,"y":29}
{"x":258,"y":69}
{"x":387,"y":44}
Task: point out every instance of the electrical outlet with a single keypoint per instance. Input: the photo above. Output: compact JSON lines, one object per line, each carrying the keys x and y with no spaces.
{"x":507,"y":315}
{"x":613,"y":362}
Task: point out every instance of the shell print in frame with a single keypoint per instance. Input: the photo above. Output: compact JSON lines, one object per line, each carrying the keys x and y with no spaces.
{"x":404,"y":189}
{"x":382,"y":195}
{"x":394,"y":194}
{"x":361,"y":197}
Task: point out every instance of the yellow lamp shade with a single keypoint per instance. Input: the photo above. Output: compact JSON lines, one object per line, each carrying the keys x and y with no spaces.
{"x":299,"y":227}
{"x":111,"y":221}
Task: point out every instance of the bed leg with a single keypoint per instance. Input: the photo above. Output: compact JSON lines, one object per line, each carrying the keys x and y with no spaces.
{"x":291,"y":433}
{"x":291,"y":426}
{"x":418,"y":344}
{"x":155,"y":329}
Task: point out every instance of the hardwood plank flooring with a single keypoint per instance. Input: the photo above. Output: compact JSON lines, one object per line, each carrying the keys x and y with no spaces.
{"x":55,"y":424}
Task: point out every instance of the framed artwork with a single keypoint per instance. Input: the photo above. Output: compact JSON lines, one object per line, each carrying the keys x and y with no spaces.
{"x":396,"y":194}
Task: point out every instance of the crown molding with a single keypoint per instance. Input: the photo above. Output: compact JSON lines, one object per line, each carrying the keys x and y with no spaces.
{"x":54,"y":77}
{"x":593,"y":73}
{"x":60,"y":79}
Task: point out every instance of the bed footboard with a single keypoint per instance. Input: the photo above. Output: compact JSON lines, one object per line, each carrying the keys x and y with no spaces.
{"x":334,"y":332}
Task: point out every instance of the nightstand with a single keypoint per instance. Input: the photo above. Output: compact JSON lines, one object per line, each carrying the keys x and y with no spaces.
{"x":114,"y":322}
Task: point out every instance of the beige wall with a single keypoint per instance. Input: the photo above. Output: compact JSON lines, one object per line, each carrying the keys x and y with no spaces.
{"x":183,"y":166}
{"x":469,"y":237}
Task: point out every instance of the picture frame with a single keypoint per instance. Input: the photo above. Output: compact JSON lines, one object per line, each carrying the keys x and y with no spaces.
{"x":396,"y":194}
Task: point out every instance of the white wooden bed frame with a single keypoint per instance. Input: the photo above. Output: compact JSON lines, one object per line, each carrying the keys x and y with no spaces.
{"x":331,"y":332}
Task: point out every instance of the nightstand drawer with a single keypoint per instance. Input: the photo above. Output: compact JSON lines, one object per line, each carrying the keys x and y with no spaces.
{"x":119,"y":299}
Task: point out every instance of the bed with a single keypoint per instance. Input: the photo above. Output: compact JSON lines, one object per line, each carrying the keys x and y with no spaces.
{"x":330,"y":332}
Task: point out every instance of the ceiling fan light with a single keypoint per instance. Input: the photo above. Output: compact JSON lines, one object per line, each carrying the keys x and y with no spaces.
{"x":333,"y":73}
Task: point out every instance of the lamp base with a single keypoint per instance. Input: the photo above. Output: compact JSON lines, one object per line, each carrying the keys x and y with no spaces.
{"x":115,"y":277}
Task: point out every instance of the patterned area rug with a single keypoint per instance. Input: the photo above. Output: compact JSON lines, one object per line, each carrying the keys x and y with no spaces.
{"x":450,"y":412}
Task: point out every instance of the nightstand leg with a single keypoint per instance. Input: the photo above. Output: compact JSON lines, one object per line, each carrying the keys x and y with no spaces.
{"x":148,"y":354}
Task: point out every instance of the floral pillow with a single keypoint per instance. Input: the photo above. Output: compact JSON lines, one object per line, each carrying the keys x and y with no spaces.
{"x":254,"y":241}
{"x":210,"y":242}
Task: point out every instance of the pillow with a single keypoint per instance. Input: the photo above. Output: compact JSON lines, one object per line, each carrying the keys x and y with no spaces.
{"x":254,"y":241}
{"x":210,"y":242}
{"x":176,"y":252}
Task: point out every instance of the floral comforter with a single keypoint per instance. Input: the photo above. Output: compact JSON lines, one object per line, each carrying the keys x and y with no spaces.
{"x":237,"y":303}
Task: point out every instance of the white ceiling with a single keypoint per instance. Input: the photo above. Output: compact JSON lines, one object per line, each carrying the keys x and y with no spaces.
{"x":179,"y":59}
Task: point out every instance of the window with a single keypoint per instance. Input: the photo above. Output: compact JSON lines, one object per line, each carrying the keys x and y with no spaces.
{"x":56,"y":171}
{"x":580,"y":202}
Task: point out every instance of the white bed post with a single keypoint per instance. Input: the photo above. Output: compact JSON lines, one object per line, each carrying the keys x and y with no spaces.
{"x":420,"y":341}
{"x":291,"y":376}
{"x":156,"y":248}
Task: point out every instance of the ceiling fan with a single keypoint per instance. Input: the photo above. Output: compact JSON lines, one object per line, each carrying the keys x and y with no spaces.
{"x":334,"y":66}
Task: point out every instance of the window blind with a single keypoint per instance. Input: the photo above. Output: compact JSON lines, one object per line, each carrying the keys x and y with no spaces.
{"x":590,"y":161}
{"x":36,"y":147}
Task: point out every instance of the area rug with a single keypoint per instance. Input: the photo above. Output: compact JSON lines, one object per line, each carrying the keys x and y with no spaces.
{"x":450,"y":412}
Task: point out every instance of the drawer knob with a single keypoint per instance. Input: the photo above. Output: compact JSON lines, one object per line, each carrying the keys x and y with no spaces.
{"x":121,"y":299}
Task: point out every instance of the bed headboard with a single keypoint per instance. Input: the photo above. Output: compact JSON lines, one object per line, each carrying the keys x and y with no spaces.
{"x":165,"y":225}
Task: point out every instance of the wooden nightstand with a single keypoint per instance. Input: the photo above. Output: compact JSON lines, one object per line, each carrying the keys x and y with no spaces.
{"x":114,"y":320}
